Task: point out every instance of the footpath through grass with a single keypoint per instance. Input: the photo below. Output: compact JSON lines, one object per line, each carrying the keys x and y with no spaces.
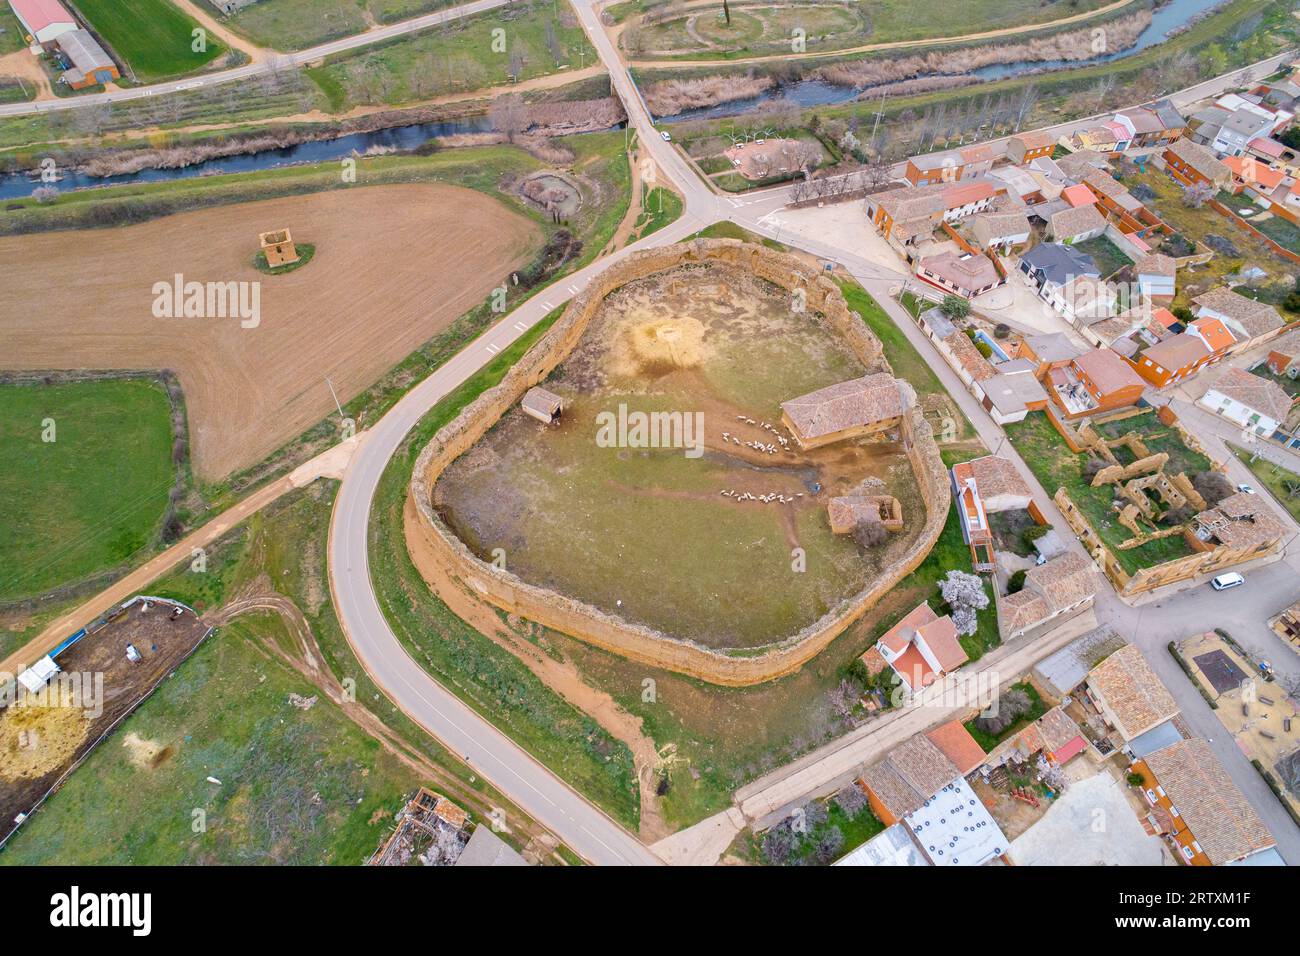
{"x":85,"y":473}
{"x":155,"y":37}
{"x":487,"y":677}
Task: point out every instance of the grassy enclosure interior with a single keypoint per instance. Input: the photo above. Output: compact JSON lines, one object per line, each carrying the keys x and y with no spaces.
{"x":708,"y":343}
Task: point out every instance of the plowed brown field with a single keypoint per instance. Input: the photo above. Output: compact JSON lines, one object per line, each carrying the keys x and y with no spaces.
{"x":394,"y":265}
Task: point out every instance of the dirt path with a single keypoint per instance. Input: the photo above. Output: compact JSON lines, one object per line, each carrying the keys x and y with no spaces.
{"x":24,"y":66}
{"x":561,"y":676}
{"x":625,"y":228}
{"x":307,"y":660}
{"x":254,"y":52}
{"x":329,"y":463}
{"x":680,"y":62}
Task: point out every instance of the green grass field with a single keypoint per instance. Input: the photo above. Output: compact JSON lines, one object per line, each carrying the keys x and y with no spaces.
{"x":537,"y":40}
{"x":92,"y":498}
{"x":1277,"y":480}
{"x":296,"y":24}
{"x":154,"y":37}
{"x":297,"y":786}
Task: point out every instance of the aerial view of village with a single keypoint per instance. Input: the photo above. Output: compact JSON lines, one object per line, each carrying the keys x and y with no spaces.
{"x":767,"y":433}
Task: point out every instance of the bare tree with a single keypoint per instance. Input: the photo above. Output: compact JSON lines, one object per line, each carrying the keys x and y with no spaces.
{"x":1195,"y":195}
{"x":509,"y":115}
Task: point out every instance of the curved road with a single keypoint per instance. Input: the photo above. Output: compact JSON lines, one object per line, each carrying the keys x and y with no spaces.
{"x":532,"y":786}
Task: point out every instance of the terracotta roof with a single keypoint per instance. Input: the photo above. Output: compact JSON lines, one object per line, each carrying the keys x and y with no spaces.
{"x":860,"y":401}
{"x":940,"y":636}
{"x":1136,"y":697}
{"x":1217,"y":335}
{"x":968,"y":356}
{"x":996,"y":476}
{"x":1078,"y":195}
{"x":1255,"y":392}
{"x":1240,"y":521}
{"x":1155,"y":264}
{"x":1107,"y":370}
{"x":1220,"y":817}
{"x":898,"y":636}
{"x":894,"y":793}
{"x":1069,"y":223}
{"x":1200,"y":159}
{"x":1255,"y":318}
{"x":1250,"y":170}
{"x":923,"y":765}
{"x":913,"y":202}
{"x":961,"y":194}
{"x":969,"y":271}
{"x":1269,"y":147}
{"x":1177,"y":352}
{"x":1023,"y":610}
{"x":956,"y":743}
{"x":1035,"y":139}
{"x":1057,"y":729}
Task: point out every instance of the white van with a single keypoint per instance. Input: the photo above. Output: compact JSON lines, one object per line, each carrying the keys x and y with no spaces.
{"x":1224,"y":581}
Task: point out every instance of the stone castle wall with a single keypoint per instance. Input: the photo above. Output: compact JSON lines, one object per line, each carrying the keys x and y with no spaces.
{"x":597,"y":627}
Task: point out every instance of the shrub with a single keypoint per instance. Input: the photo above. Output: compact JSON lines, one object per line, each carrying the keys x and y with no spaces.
{"x":1092,"y":466}
{"x":1214,"y":486}
{"x":955,"y":307}
{"x":1006,"y":710}
{"x":1001,"y":330}
{"x":1036,"y":531}
{"x":1134,"y":779}
{"x":1016,"y":582}
{"x":870,"y":533}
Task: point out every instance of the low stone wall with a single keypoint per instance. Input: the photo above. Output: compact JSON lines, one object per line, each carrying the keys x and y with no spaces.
{"x":597,"y":627}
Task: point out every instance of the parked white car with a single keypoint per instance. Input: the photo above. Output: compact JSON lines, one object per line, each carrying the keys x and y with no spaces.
{"x":1225,"y":581}
{"x":1246,"y":489}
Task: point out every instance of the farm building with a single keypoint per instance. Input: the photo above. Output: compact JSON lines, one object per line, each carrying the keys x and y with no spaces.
{"x":542,"y":405}
{"x":90,"y":65}
{"x":43,"y":21}
{"x":852,"y":409}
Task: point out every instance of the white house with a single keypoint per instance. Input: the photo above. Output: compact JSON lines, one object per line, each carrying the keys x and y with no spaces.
{"x":1248,"y":400}
{"x":1156,"y":276}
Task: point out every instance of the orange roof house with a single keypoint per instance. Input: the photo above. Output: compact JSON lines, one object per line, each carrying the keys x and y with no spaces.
{"x":1078,"y":195}
{"x":921,"y":648}
{"x":955,"y":742}
{"x":1206,"y":818}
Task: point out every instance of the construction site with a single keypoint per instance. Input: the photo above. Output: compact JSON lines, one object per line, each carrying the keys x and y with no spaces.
{"x":57,"y":711}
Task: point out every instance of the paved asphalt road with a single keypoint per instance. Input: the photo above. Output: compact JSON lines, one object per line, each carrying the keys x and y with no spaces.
{"x":536,"y":790}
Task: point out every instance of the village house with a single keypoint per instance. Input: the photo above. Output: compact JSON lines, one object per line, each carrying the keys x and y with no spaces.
{"x":1054,"y":736}
{"x":1250,"y":322}
{"x":1076,"y":224}
{"x":1190,"y":163}
{"x":908,"y":214}
{"x":1198,"y":809}
{"x":1048,"y":267}
{"x":1172,"y":360}
{"x":1156,"y":277}
{"x":920,"y":649}
{"x":985,"y":486}
{"x":1248,"y":400}
{"x":1047,"y":351}
{"x":1062,"y":587}
{"x":1012,"y":393}
{"x":921,"y":783}
{"x":1152,"y":126}
{"x":966,"y":274}
{"x":853,"y":409}
{"x":1128,"y":694}
{"x":950,"y":166}
{"x":1284,"y":355}
{"x":1001,"y":229}
{"x":1097,"y":381}
{"x":1026,"y":147}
